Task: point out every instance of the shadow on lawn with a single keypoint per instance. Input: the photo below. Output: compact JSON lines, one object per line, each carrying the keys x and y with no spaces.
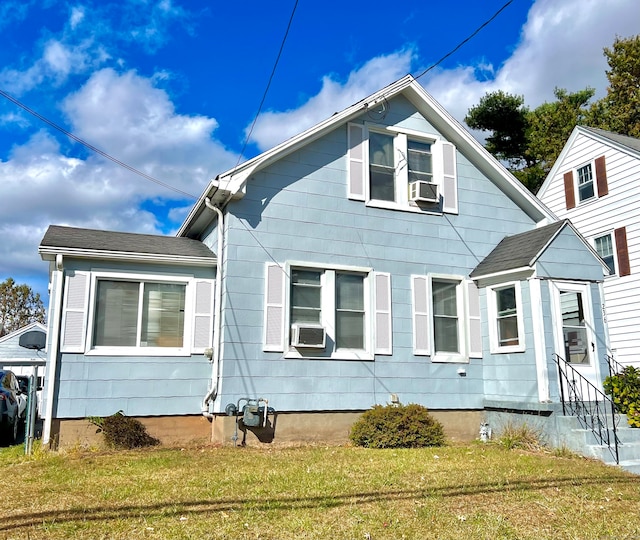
{"x":103,"y":513}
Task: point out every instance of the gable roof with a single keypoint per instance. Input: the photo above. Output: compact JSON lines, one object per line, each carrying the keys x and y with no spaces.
{"x":233,"y":183}
{"x":96,"y":244}
{"x":519,"y":251}
{"x":623,"y":143}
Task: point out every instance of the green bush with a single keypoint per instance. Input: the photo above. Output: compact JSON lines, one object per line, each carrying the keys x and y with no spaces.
{"x":624,"y":389}
{"x":397,"y":426}
{"x":122,"y":431}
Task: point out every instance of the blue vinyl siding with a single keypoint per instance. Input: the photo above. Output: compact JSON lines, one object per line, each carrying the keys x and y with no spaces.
{"x":297,"y":210}
{"x":95,"y":385}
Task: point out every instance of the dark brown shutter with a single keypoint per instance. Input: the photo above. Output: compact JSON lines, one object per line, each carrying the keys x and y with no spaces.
{"x":569,"y":195}
{"x":601,"y":177}
{"x":623,"y":253}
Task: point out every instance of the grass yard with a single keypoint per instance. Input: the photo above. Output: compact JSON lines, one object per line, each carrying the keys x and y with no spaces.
{"x":455,"y":492}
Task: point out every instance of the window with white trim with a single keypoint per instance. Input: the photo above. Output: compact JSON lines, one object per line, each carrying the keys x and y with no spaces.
{"x":506,"y":318}
{"x":344,"y":312}
{"x":605,"y":247}
{"x":588,"y":181}
{"x":401,"y":169}
{"x":446,"y":318}
{"x":136,"y":314}
{"x":585,"y":183}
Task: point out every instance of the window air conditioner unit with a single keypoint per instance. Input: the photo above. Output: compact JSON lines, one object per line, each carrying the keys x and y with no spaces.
{"x":308,"y":335}
{"x":421,"y":191}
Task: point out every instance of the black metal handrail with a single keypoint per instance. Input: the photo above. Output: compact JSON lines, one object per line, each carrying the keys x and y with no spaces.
{"x":593,"y":408}
{"x":615,"y":367}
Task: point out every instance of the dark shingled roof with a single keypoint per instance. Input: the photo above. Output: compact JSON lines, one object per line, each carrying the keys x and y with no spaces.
{"x":517,"y":251}
{"x":624,"y":140}
{"x":122,"y":242}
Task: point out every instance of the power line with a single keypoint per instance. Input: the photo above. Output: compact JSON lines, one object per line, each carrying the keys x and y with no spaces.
{"x":266,"y":90}
{"x":465,"y":40}
{"x":93,"y":148}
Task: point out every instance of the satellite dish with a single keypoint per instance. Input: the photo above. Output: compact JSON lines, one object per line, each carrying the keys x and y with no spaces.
{"x":34,"y":339}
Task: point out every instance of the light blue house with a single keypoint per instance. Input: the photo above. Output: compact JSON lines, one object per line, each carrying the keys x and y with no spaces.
{"x":382,"y":255}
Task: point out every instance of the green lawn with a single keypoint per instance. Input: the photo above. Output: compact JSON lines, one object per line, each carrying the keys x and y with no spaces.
{"x":456,"y":492}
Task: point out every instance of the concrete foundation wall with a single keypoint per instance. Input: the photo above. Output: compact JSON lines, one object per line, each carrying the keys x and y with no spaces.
{"x":281,"y":428}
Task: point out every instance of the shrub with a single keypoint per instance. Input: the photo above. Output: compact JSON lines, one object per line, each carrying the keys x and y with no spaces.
{"x":397,"y":426}
{"x":520,"y":436}
{"x":122,"y":431}
{"x":624,"y":389}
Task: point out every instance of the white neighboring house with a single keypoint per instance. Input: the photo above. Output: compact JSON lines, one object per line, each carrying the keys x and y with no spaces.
{"x":22,"y":361}
{"x":595,"y":183}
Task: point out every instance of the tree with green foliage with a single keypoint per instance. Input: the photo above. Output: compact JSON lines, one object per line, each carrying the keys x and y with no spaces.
{"x":619,"y":110}
{"x":506,"y":117}
{"x":19,"y":306}
{"x":529,"y":141}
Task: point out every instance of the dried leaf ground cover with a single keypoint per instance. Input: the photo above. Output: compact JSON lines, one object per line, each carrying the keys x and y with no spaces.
{"x":474,"y":491}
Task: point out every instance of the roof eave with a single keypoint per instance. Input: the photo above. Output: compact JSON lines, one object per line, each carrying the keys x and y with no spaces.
{"x":49,"y":253}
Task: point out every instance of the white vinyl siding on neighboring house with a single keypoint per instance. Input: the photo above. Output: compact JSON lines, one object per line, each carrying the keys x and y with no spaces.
{"x":109,"y":313}
{"x":352,"y":305}
{"x":382,"y":161}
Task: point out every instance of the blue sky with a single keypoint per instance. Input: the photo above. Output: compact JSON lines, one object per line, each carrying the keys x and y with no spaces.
{"x":172,"y":87}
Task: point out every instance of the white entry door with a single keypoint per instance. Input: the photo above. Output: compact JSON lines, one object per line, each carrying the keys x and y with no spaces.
{"x":575,"y":340}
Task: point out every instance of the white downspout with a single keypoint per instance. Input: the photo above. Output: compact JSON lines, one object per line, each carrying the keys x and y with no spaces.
{"x":215,"y":370}
{"x":53,"y":350}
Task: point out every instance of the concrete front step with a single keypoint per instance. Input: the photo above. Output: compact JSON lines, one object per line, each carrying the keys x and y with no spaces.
{"x":583,"y":441}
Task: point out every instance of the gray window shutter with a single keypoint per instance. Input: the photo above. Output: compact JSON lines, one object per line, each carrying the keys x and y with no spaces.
{"x":475,"y":326}
{"x":449,"y":179}
{"x":383,"y":320}
{"x":421,"y":321}
{"x":203,"y":315}
{"x":274,"y":309}
{"x":357,"y":167}
{"x":74,"y":312}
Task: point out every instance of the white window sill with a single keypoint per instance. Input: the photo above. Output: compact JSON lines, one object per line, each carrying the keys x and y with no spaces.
{"x":138,"y":351}
{"x":408,"y":207}
{"x":317,"y":354}
{"x":444,"y":358}
{"x":508,"y":350}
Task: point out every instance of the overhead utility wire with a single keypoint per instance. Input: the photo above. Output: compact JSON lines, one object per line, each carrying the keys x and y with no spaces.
{"x":266,"y":90}
{"x":465,"y":40}
{"x":93,"y":148}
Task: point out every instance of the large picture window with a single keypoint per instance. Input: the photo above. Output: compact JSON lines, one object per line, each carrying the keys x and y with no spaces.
{"x":139,"y":314}
{"x":109,"y":313}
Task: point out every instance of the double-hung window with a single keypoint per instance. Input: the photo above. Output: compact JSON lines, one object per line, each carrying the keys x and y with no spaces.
{"x":585,"y":183}
{"x":446,"y":318}
{"x":506,"y":319}
{"x":604,"y":247}
{"x":342,"y":312}
{"x":401,"y":169}
{"x":382,"y":184}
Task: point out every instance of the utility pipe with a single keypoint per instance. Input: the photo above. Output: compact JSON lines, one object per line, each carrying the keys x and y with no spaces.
{"x":215,"y":370}
{"x":57,"y":280}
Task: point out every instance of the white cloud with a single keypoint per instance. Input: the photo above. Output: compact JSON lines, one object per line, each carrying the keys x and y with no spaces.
{"x":561,"y":46}
{"x":135,"y":122}
{"x":274,"y":127}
